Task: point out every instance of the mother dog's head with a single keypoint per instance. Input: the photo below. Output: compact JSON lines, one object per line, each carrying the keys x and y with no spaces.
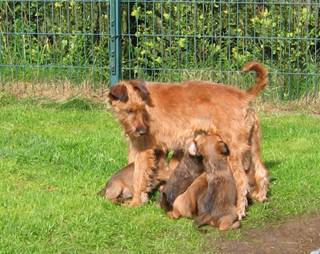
{"x":129,"y":100}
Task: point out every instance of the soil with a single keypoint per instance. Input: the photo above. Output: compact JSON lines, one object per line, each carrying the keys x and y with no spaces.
{"x":295,"y":236}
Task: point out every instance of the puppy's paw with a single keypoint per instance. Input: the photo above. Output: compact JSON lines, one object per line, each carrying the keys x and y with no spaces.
{"x":173,"y":215}
{"x":135,"y":203}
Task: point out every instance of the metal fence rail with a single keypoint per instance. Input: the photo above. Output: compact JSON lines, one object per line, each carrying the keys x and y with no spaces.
{"x":54,"y":40}
{"x":163,"y":40}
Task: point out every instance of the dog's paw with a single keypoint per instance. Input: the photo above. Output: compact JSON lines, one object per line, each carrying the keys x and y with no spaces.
{"x":144,"y":197}
{"x":241,"y":212}
{"x":135,"y":203}
{"x":259,"y":196}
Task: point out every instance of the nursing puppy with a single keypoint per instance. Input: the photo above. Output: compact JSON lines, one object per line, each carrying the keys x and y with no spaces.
{"x":218,"y":206}
{"x":189,"y":168}
{"x":120,"y":187}
{"x":186,"y":204}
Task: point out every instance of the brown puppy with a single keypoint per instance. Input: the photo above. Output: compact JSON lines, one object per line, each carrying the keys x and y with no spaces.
{"x":218,"y":206}
{"x":189,"y":168}
{"x":165,"y":116}
{"x":186,"y":204}
{"x":120,"y":187}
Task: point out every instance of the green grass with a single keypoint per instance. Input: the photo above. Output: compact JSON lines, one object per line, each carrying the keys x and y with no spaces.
{"x":55,"y":157}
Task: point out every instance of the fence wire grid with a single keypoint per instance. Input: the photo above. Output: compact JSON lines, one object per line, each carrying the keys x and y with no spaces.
{"x":165,"y":41}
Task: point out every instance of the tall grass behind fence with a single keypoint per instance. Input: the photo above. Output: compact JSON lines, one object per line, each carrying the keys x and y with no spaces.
{"x":176,"y":40}
{"x":53,"y":40}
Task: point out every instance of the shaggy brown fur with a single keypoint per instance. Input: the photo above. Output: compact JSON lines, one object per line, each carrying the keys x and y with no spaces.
{"x":189,"y":168}
{"x":218,"y":206}
{"x":164,"y":116}
{"x":256,"y":171}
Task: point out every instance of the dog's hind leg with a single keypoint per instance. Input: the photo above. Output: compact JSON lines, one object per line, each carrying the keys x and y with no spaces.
{"x":241,"y":181}
{"x":260,"y":171}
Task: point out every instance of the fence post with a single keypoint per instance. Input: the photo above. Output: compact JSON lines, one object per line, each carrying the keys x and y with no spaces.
{"x":115,"y":41}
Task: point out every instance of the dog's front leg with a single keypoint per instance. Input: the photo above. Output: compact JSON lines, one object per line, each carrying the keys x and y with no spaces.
{"x":144,"y":165}
{"x":132,"y":152}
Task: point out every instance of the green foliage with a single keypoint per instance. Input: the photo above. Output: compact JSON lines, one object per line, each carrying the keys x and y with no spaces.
{"x":220,"y":36}
{"x":165,"y":40}
{"x":62,"y":36}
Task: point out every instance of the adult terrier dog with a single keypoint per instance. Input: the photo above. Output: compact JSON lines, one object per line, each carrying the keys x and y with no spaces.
{"x":165,"y":116}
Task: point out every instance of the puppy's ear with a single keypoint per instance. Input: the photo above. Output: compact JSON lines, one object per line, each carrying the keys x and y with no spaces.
{"x":192,"y":149}
{"x":140,"y":87}
{"x":119,"y":93}
{"x":223,"y":148}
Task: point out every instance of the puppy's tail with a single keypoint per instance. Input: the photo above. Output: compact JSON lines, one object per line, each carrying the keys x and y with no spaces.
{"x":202,"y":220}
{"x":261,"y":78}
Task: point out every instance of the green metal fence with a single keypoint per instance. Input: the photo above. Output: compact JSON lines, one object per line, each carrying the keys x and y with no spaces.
{"x":53,"y":41}
{"x":103,"y":41}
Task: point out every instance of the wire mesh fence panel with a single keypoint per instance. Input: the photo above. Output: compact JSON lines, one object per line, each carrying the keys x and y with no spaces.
{"x":51,"y":40}
{"x":54,"y":40}
{"x":178,"y":40}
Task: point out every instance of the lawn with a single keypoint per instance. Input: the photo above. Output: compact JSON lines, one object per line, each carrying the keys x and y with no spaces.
{"x":54,"y":157}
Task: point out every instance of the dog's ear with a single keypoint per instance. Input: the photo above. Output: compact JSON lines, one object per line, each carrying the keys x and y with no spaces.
{"x":140,"y":87}
{"x":119,"y":93}
{"x":223,"y":148}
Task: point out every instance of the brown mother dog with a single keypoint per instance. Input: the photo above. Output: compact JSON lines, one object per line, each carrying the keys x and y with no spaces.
{"x":164,"y":116}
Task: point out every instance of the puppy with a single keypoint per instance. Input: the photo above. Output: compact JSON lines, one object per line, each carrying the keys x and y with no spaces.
{"x":120,"y":187}
{"x":189,"y":168}
{"x":186,"y":204}
{"x":218,"y":206}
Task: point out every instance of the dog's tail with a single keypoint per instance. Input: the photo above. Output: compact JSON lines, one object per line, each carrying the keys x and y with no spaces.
{"x":261,"y":79}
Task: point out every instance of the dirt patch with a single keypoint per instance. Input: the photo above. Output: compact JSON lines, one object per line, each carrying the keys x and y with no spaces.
{"x":295,"y":236}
